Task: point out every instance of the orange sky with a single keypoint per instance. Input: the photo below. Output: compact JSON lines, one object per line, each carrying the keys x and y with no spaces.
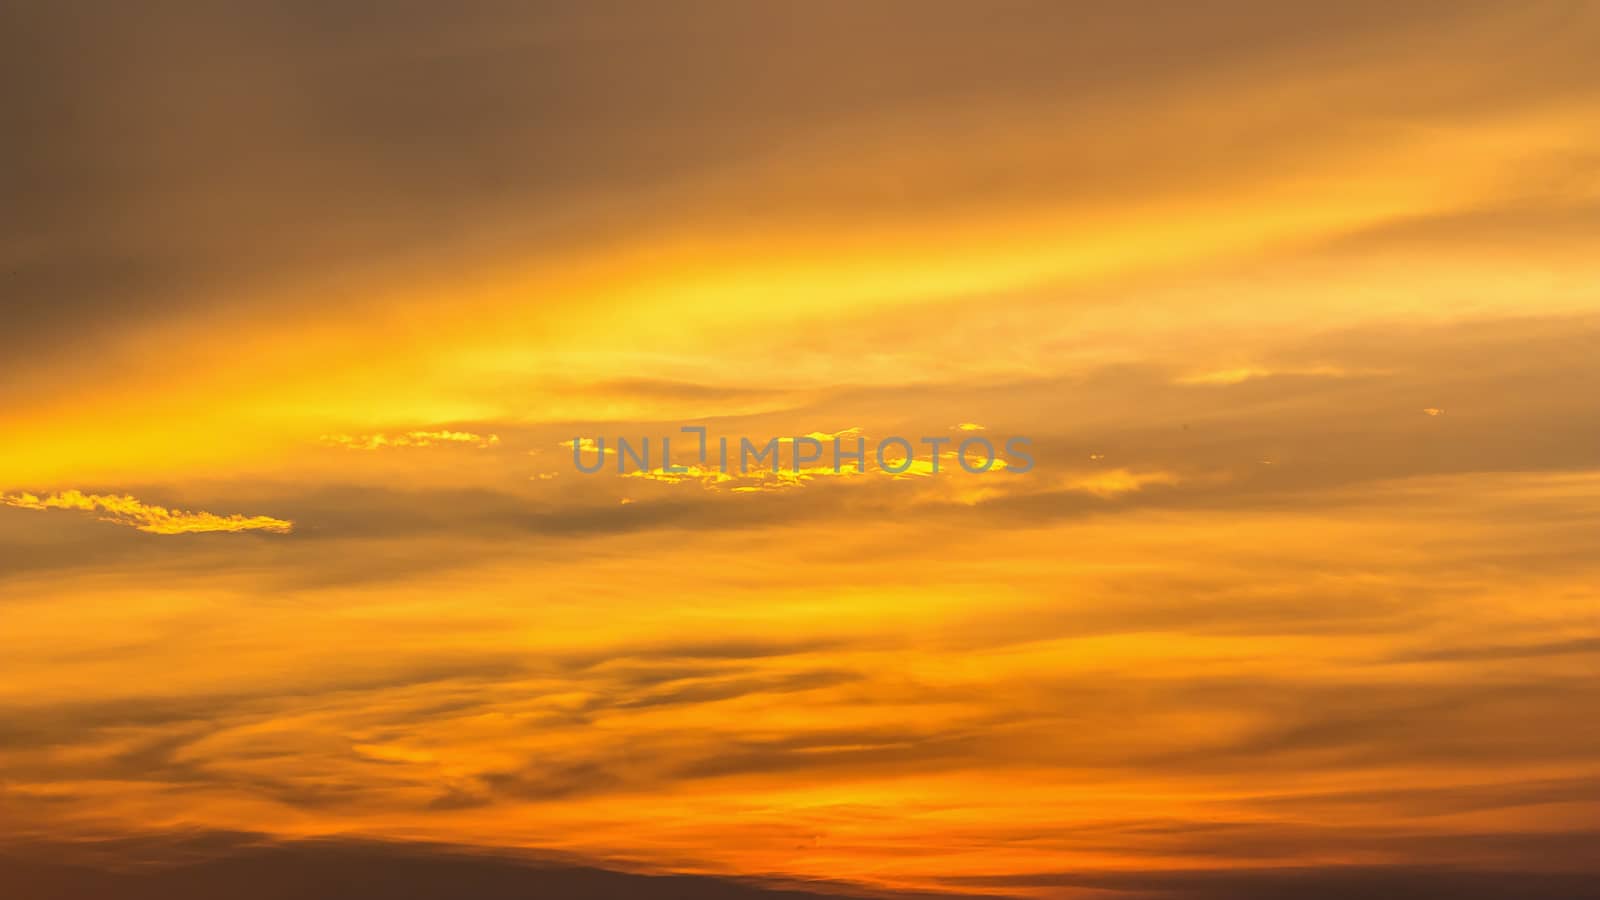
{"x":1297,"y":306}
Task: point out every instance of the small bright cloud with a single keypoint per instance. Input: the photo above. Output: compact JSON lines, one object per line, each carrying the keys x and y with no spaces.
{"x":588,"y":445}
{"x":409,"y":439}
{"x":1246,"y":373}
{"x":1121,"y":481}
{"x":825,"y":436}
{"x":122,"y":509}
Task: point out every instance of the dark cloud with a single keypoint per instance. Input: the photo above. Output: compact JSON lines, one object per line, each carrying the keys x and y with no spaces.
{"x":647,"y":764}
{"x":1581,"y":647}
{"x":31,"y":726}
{"x":1344,"y":442}
{"x":1503,"y":720}
{"x":700,"y":651}
{"x":187,"y":157}
{"x":1437,"y":801}
{"x":210,"y":864}
{"x":718,"y":689}
{"x":238,"y":866}
{"x":1313,"y":883}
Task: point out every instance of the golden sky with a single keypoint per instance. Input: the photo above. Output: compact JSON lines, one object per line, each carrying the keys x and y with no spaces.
{"x":303,"y":304}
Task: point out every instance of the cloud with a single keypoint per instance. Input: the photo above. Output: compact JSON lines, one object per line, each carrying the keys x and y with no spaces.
{"x":410,"y":439}
{"x":1120,"y":481}
{"x":255,"y":867}
{"x":1579,"y":646}
{"x":123,"y":509}
{"x":1242,"y":374}
{"x":1332,"y":882}
{"x":589,"y":445}
{"x":1040,"y":219}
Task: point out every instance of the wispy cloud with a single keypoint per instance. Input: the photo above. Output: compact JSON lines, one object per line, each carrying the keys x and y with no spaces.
{"x":410,"y":439}
{"x":1242,"y":374}
{"x":123,"y":509}
{"x":588,"y":445}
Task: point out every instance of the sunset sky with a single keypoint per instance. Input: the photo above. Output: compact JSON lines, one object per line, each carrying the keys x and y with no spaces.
{"x":303,"y":303}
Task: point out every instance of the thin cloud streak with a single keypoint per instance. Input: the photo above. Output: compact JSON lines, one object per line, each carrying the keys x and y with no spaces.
{"x":123,"y":509}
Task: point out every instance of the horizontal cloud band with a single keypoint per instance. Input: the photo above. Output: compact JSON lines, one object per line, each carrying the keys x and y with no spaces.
{"x":123,"y":509}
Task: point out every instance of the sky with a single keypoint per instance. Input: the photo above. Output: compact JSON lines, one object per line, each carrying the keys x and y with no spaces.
{"x":305,"y":304}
